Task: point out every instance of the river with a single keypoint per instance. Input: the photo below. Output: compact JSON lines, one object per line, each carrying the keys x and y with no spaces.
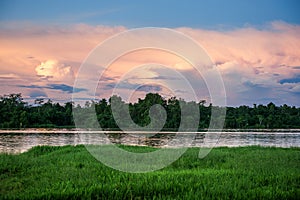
{"x":21,"y":141}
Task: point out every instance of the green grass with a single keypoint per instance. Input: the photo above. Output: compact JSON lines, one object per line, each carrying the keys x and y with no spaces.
{"x":70,"y":172}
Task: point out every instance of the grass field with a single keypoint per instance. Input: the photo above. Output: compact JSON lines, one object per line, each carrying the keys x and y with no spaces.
{"x":70,"y":172}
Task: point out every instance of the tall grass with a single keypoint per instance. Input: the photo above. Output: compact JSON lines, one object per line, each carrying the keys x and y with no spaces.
{"x":70,"y":172}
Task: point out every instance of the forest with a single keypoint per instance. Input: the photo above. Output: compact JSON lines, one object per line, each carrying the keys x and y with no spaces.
{"x":16,"y":113}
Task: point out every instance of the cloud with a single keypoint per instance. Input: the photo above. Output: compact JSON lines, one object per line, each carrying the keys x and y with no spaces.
{"x":273,"y":48}
{"x":9,"y":76}
{"x":61,"y":87}
{"x":65,"y":88}
{"x":26,"y":46}
{"x":295,"y":79}
{"x":45,"y":54}
{"x":296,"y":89}
{"x":55,"y":71}
{"x":37,"y":94}
{"x":254,"y":62}
{"x":149,"y":88}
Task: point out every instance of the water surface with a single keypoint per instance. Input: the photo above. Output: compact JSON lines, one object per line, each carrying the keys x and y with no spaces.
{"x":17,"y":142}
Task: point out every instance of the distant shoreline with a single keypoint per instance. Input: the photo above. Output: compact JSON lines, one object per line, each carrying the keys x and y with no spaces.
{"x":112,"y":131}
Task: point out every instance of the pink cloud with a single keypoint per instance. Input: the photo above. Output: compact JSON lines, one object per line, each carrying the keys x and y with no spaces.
{"x":269,"y":49}
{"x":243,"y":55}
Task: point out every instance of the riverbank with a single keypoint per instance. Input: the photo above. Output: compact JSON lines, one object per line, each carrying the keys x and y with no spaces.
{"x":70,"y":172}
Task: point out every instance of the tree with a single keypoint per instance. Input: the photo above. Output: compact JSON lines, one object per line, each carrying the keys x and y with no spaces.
{"x":11,"y":107}
{"x":15,"y":113}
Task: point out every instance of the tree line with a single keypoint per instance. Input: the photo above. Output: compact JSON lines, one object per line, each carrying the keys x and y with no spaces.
{"x":16,"y":113}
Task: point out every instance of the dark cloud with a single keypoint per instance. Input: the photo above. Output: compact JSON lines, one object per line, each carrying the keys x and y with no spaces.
{"x":295,"y":79}
{"x":253,"y":85}
{"x":219,"y":63}
{"x":296,"y":67}
{"x":61,"y":87}
{"x":165,"y":78}
{"x":31,"y":86}
{"x":64,"y":88}
{"x":37,"y":94}
{"x":149,"y":88}
{"x":254,"y":93}
{"x":122,"y":85}
{"x":108,"y":86}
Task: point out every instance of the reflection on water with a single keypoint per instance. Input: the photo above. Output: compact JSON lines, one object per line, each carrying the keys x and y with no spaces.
{"x":20,"y":142}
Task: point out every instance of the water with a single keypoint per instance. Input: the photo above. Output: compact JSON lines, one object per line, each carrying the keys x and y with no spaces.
{"x":18,"y":142}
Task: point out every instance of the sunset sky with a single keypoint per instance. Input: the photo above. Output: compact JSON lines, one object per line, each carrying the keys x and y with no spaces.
{"x":255,"y":45}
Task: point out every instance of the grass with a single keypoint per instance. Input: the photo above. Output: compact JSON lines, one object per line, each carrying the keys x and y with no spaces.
{"x":70,"y":172}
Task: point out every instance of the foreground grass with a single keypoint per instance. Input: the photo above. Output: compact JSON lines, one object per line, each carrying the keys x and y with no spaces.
{"x":70,"y":172}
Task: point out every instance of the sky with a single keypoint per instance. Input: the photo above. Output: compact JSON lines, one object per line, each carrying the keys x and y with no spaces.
{"x":254,"y":45}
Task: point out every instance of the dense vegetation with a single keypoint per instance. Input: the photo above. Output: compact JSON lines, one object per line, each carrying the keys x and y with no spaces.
{"x":70,"y":172}
{"x":15,"y":113}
